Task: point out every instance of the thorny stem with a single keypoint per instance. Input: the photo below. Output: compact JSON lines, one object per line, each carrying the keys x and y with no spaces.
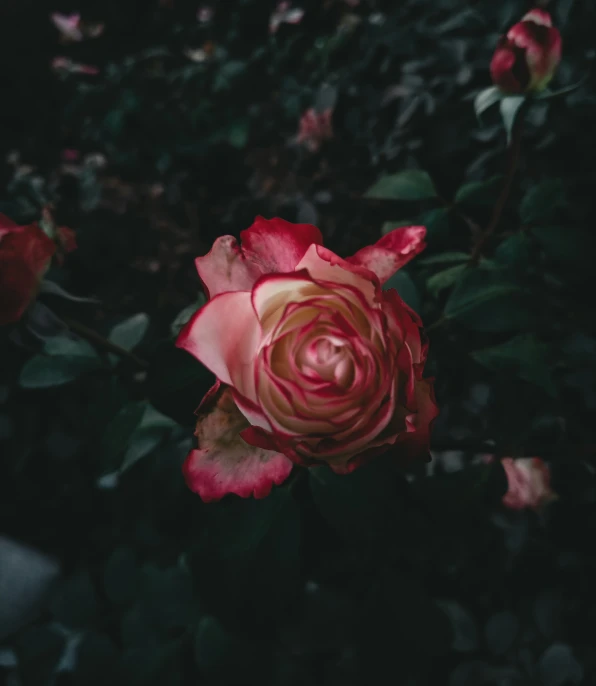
{"x":103,"y":343}
{"x":512,"y":160}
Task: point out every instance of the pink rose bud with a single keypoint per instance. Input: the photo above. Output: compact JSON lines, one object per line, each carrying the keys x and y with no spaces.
{"x":315,"y":363}
{"x":315,"y":127}
{"x":526,"y":58}
{"x":528,"y":481}
{"x":284,"y":14}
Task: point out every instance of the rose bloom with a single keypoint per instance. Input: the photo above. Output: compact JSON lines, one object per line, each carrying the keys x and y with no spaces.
{"x":315,"y":127}
{"x":25,"y":255}
{"x":528,"y":482}
{"x":315,"y":364}
{"x":526,"y":58}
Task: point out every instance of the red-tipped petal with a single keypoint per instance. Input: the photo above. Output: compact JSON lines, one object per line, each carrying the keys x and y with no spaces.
{"x":391,"y":252}
{"x":224,"y":463}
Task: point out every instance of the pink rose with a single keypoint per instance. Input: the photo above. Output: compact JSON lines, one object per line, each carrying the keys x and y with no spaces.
{"x":526,"y":58}
{"x":284,"y":14}
{"x":315,"y":127}
{"x":528,"y":483}
{"x":315,"y":363}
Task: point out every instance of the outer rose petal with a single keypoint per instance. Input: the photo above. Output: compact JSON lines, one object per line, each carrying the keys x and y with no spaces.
{"x":528,"y":483}
{"x":391,"y":252}
{"x":269,"y":246}
{"x":224,"y":462}
{"x":224,"y":335}
{"x":277,"y":245}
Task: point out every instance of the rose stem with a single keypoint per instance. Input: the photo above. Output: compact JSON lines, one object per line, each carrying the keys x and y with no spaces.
{"x":103,"y":343}
{"x":512,"y":160}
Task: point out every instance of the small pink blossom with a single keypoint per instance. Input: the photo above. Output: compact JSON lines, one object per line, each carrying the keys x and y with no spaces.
{"x":67,"y":66}
{"x":73,"y":29}
{"x":204,"y":14}
{"x":528,"y":481}
{"x":70,"y":155}
{"x":314,"y":128}
{"x":284,"y":14}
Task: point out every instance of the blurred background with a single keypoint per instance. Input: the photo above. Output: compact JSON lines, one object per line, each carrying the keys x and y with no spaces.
{"x":150,"y":128}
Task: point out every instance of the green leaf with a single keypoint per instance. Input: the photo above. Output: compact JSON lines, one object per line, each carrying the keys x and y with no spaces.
{"x":476,"y":287}
{"x":541,"y":201}
{"x":547,"y":94}
{"x":118,"y":434}
{"x":129,"y":333}
{"x":39,"y":649}
{"x":499,"y":315}
{"x":510,"y":109}
{"x":238,"y":134}
{"x":567,"y":245}
{"x":152,"y":430}
{"x":65,"y":361}
{"x":389,"y":226}
{"x":436,"y":222}
{"x":445,"y":258}
{"x":185,"y":314}
{"x":121,"y":577}
{"x":52,"y":288}
{"x":479,"y":193}
{"x":486,"y":98}
{"x":74,"y":602}
{"x":523,"y":356}
{"x":413,"y":184}
{"x":514,"y":251}
{"x":406,"y":288}
{"x":444,"y":279}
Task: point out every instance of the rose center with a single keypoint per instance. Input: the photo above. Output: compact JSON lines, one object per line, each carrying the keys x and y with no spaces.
{"x":328,"y":358}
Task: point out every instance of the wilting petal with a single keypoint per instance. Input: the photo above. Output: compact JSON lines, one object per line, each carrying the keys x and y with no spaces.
{"x":224,"y":463}
{"x":391,"y":252}
{"x":224,"y":336}
{"x":225,"y":268}
{"x":276,"y":245}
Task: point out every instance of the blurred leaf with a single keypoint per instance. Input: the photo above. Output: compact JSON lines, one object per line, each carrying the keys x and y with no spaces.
{"x":121,"y":577}
{"x":479,"y":193}
{"x":437,"y":224}
{"x":444,"y":279}
{"x":514,"y":251}
{"x":152,"y":429}
{"x":476,"y":287}
{"x":168,"y":597}
{"x":74,"y":603}
{"x":52,"y":288}
{"x":500,"y":314}
{"x":43,"y":322}
{"x":501,"y":631}
{"x":406,"y":288}
{"x":569,"y":246}
{"x":39,"y":649}
{"x":389,"y":226}
{"x":547,"y":611}
{"x":558,"y":666}
{"x":541,"y":201}
{"x":185,"y":314}
{"x":445,"y":258}
{"x":66,"y":360}
{"x":511,"y":106}
{"x":118,"y":434}
{"x":524,"y":356}
{"x":465,"y":634}
{"x":129,"y":333}
{"x":227,"y":73}
{"x":413,"y":184}
{"x":486,"y":98}
{"x":97,"y":661}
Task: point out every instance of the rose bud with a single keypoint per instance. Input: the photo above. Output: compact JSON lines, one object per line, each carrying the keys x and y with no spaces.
{"x":526,"y":58}
{"x":315,"y":363}
{"x":315,"y":127}
{"x":25,"y":255}
{"x":528,"y":482}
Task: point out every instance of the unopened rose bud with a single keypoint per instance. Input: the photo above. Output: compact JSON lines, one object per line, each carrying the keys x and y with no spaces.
{"x":527,"y":56}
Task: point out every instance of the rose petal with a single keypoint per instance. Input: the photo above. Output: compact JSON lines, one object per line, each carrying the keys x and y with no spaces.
{"x":276,"y":245}
{"x":225,"y":268}
{"x":391,"y":252}
{"x":224,"y":336}
{"x":224,"y":463}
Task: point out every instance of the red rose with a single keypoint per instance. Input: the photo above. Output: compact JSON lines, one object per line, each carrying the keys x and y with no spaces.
{"x":528,"y":483}
{"x":315,"y":127}
{"x":526,"y":58}
{"x":315,"y":363}
{"x":25,"y":256}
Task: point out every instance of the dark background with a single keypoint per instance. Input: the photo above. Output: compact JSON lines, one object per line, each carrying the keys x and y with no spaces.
{"x":372,"y":578}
